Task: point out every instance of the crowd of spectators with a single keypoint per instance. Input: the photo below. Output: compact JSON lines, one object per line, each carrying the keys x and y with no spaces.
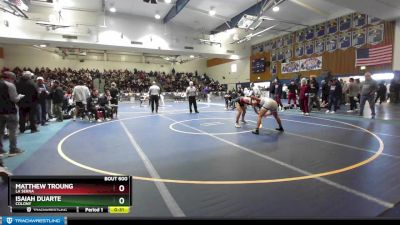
{"x":43,"y":94}
{"x":127,"y":81}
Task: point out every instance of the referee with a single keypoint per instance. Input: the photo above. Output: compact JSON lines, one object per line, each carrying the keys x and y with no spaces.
{"x":154,"y":93}
{"x":191,"y":92}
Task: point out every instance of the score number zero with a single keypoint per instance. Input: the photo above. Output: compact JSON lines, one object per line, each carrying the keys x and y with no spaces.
{"x":121,"y":187}
{"x":121,"y":200}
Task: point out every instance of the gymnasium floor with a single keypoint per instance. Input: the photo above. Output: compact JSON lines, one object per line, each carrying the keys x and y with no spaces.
{"x":200,"y":165}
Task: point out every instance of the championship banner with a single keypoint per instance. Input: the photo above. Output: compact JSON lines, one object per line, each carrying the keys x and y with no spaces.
{"x":300,"y":36}
{"x":299,"y":50}
{"x":314,"y":63}
{"x":332,"y":26}
{"x":281,"y":54}
{"x":273,"y":43}
{"x":290,"y":67}
{"x":331,"y":43}
{"x":274,"y":68}
{"x":279,"y":42}
{"x":345,"y":23}
{"x":288,"y":52}
{"x":273,"y":56}
{"x":309,"y":48}
{"x":359,"y":20}
{"x":260,"y":48}
{"x":345,"y":40}
{"x":320,"y":30}
{"x":268,"y":46}
{"x":288,"y":40}
{"x":309,"y":33}
{"x":375,"y":34}
{"x":319,"y":46}
{"x":359,"y":37}
{"x":374,"y":20}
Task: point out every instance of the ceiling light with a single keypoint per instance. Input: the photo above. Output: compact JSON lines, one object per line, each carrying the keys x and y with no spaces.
{"x":43,"y":46}
{"x":157,"y":16}
{"x":167,"y":1}
{"x":113,"y":9}
{"x":247,"y":21}
{"x":212,"y":11}
{"x":192,"y":56}
{"x":275,"y":8}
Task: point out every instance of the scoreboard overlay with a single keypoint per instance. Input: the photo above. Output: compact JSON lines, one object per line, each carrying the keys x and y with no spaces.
{"x":62,"y":194}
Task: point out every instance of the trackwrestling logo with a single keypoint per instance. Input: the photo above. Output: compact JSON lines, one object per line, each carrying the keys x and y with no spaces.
{"x":34,"y":220}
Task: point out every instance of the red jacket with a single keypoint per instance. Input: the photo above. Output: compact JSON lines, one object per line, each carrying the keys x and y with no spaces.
{"x":304,"y":89}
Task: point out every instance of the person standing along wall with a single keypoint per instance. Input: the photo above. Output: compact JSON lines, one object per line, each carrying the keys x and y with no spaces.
{"x":368,"y":89}
{"x":154,"y":93}
{"x":357,"y":81}
{"x":325,"y":93}
{"x":191,"y":92}
{"x":381,"y":93}
{"x":255,"y":90}
{"x":314,"y":88}
{"x":334,"y":96}
{"x":292,"y":95}
{"x":115,"y":98}
{"x":339,"y":93}
{"x":207,"y":94}
{"x":303,"y":96}
{"x":272,"y":89}
{"x":394,"y":90}
{"x":42,"y":108}
{"x":8,"y":112}
{"x":278,"y":93}
{"x":57,"y":97}
{"x":49,"y":105}
{"x":80,"y":95}
{"x":352,"y":90}
{"x":27,"y":105}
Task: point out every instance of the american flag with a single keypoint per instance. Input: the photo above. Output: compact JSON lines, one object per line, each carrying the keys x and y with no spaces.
{"x":374,"y":56}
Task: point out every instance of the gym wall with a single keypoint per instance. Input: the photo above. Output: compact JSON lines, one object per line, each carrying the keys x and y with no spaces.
{"x":339,"y":62}
{"x":29,"y":56}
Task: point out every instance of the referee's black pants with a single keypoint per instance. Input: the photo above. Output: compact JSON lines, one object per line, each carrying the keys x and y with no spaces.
{"x":154,"y":99}
{"x":192,"y":101}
